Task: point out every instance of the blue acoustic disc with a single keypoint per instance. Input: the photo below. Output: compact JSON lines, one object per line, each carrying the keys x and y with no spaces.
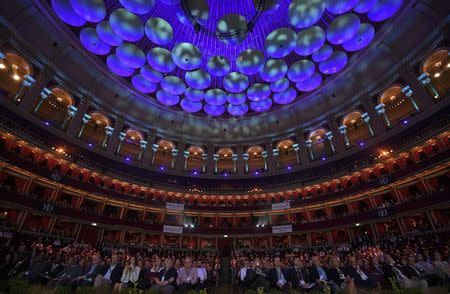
{"x":231,"y":23}
{"x":186,"y":56}
{"x":131,"y":55}
{"x":236,"y":98}
{"x":126,"y":25}
{"x":105,"y":32}
{"x":151,"y":74}
{"x":335,"y":63}
{"x":191,"y":106}
{"x":117,"y":67}
{"x":305,"y":13}
{"x":323,"y":54}
{"x":301,"y":70}
{"x":280,"y":85}
{"x":218,"y":66}
{"x":258,"y":92}
{"x":280,"y":42}
{"x":384,"y":9}
{"x":89,"y":10}
{"x":198,"y":79}
{"x":138,"y":6}
{"x":340,"y":6}
{"x":310,"y":84}
{"x":166,"y":98}
{"x":91,"y":41}
{"x":65,"y":12}
{"x":173,"y":85}
{"x":215,"y":97}
{"x":343,"y":28}
{"x":261,"y":106}
{"x":310,"y":40}
{"x":161,"y":60}
{"x":214,"y":110}
{"x":193,"y":94}
{"x":364,"y":6}
{"x":285,"y":97}
{"x":362,"y":39}
{"x":235,"y":82}
{"x":143,"y":85}
{"x":273,"y":70}
{"x":250,"y":61}
{"x":237,"y":110}
{"x":159,"y":31}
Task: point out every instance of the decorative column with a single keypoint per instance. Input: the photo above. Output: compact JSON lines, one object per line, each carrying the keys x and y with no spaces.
{"x":264,"y":155}
{"x":215,"y":159}
{"x":185,"y":160}
{"x":270,"y":156}
{"x":211,"y":162}
{"x":108,"y":133}
{"x":122,"y":136}
{"x":240,"y":163}
{"x":296,"y":149}
{"x":154,"y":149}
{"x":143,"y":145}
{"x":381,"y":110}
{"x":29,"y":99}
{"x":27,"y":83}
{"x":174,"y":158}
{"x":71,"y":111}
{"x":75,"y":122}
{"x":343,"y":131}
{"x":276,"y":157}
{"x":245,"y":156}
{"x":85,"y":120}
{"x":329,"y":136}
{"x":409,"y":94}
{"x":366,"y":118}
{"x":425,"y":80}
{"x":44,"y":95}
{"x":114,"y":141}
{"x":234,"y":157}
{"x":308,"y":145}
{"x":205,"y":161}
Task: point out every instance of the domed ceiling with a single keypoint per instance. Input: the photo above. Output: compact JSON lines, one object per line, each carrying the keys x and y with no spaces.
{"x":225,"y":58}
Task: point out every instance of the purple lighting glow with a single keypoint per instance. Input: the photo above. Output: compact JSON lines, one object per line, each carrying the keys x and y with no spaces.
{"x":324,"y":158}
{"x":289,"y":167}
{"x":161,"y":168}
{"x":127,"y":159}
{"x":90,"y":145}
{"x":361,"y":144}
{"x":405,"y":122}
{"x":46,"y":123}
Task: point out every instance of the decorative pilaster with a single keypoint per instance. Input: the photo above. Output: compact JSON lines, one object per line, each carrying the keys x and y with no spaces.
{"x":174,"y":158}
{"x":296,"y":149}
{"x":425,"y":80}
{"x":27,"y":83}
{"x":85,"y":120}
{"x":143,"y":147}
{"x":185,"y":159}
{"x":381,"y":110}
{"x":75,"y":123}
{"x":308,"y":145}
{"x":43,"y":95}
{"x":42,"y":80}
{"x":108,"y":133}
{"x":71,"y":111}
{"x":240,"y":163}
{"x":204,"y":162}
{"x":211,"y":162}
{"x":343,"y":132}
{"x":264,"y":155}
{"x":154,"y":150}
{"x":337,"y":145}
{"x":114,"y":141}
{"x":245,"y":156}
{"x":366,"y":118}
{"x":122,"y":136}
{"x":377,"y":123}
{"x":216,"y":159}
{"x":329,"y":136}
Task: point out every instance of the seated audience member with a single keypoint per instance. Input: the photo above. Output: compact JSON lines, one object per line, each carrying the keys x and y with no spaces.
{"x":335,"y":275}
{"x":55,"y":268}
{"x":392,"y":272}
{"x":441,"y":267}
{"x":145,"y":275}
{"x":299,"y":275}
{"x":376,"y":274}
{"x":243,"y":274}
{"x":165,"y":282}
{"x":71,"y":270}
{"x":88,"y":279}
{"x":38,"y":268}
{"x":278,"y":275}
{"x":202,"y":275}
{"x":360,"y":278}
{"x":111,"y":276}
{"x":187,"y":276}
{"x":130,"y":276}
{"x":317,"y":274}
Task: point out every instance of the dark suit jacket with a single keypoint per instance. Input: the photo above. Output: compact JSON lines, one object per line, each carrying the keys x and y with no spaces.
{"x":98,"y":270}
{"x":273,"y":276}
{"x":116,"y":273}
{"x":167,"y":274}
{"x":334,"y":276}
{"x":54,"y":270}
{"x":314,"y":274}
{"x":295,"y":277}
{"x":410,"y":272}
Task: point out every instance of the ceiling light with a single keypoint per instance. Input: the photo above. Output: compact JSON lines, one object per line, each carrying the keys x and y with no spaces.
{"x":94,"y":224}
{"x":15,"y":66}
{"x":59,"y":99}
{"x":16,"y":77}
{"x":285,"y":147}
{"x":225,"y":236}
{"x":437,"y":75}
{"x":98,"y":122}
{"x":448,"y":64}
{"x":132,"y":138}
{"x":165,"y":148}
{"x":2,"y":66}
{"x":353,"y":121}
{"x":254,"y":153}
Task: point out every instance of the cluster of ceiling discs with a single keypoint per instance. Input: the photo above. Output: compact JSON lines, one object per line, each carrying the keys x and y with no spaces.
{"x":155,"y":46}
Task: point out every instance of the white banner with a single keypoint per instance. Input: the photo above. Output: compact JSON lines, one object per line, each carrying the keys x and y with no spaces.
{"x":282,"y":229}
{"x":173,"y":229}
{"x":174,"y":206}
{"x":281,"y":205}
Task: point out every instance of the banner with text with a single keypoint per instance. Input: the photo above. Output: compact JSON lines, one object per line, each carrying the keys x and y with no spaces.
{"x":281,"y":205}
{"x":173,"y":229}
{"x":174,"y":206}
{"x":282,"y":229}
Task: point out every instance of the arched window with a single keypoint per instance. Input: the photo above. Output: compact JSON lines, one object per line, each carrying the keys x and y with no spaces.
{"x":397,"y":105}
{"x":225,"y":161}
{"x":320,"y":145}
{"x":163,"y":156}
{"x":95,"y":129}
{"x":13,"y":69}
{"x":131,"y":145}
{"x":195,"y":161}
{"x":256,"y":161}
{"x":357,"y":129}
{"x":287,"y":154}
{"x":54,"y":109}
{"x":437,"y":66}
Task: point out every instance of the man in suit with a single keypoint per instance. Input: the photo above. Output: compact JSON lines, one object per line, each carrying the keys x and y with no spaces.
{"x":187,"y":276}
{"x":55,"y":268}
{"x":278,"y":276}
{"x":111,"y":275}
{"x":71,"y":270}
{"x":144,"y":281}
{"x":166,"y":279}
{"x":360,"y":278}
{"x":336,"y":277}
{"x":299,"y":276}
{"x":87,"y":280}
{"x":391,"y":271}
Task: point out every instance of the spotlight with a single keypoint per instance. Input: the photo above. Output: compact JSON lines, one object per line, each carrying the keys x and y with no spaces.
{"x":161,"y":168}
{"x":2,"y":66}
{"x":192,"y":225}
{"x":185,"y":225}
{"x":256,"y":172}
{"x":195,"y":172}
{"x":225,"y":236}
{"x":94,"y":224}
{"x":405,"y":122}
{"x":289,"y":167}
{"x":46,"y":123}
{"x":225,"y":174}
{"x":90,"y":145}
{"x":324,"y":158}
{"x":16,"y":77}
{"x":257,"y":225}
{"x":437,"y":75}
{"x":127,"y":159}
{"x":357,"y":224}
{"x":262,"y":225}
{"x":361,"y":144}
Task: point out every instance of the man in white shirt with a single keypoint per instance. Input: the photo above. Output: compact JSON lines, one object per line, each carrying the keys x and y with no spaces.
{"x":243,"y":271}
{"x":187,"y":276}
{"x":202,"y":274}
